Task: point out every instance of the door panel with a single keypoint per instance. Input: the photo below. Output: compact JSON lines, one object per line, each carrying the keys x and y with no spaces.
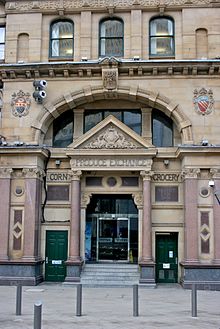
{"x":166,"y":258}
{"x":56,"y":255}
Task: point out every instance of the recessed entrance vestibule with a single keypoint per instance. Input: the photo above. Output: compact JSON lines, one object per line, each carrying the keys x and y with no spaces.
{"x":111,"y":229}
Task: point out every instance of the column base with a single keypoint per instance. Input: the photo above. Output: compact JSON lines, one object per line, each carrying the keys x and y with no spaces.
{"x":205,"y":276}
{"x":23,"y":272}
{"x":73,"y":270}
{"x":147,"y":272}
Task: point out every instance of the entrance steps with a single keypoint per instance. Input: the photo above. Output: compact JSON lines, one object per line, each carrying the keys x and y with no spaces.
{"x":111,"y":274}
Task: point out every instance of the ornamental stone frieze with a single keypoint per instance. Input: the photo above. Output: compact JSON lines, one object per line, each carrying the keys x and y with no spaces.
{"x":190,"y":173}
{"x":60,"y":5}
{"x":110,"y":78}
{"x":33,"y":173}
{"x":5,"y":172}
{"x":215,"y":173}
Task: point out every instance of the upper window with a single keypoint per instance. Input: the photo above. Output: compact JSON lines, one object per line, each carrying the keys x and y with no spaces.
{"x":63,"y":130}
{"x":131,"y":118}
{"x":111,"y":38}
{"x":2,"y":42}
{"x":161,"y":37}
{"x":61,"y":39}
{"x":162,"y":129}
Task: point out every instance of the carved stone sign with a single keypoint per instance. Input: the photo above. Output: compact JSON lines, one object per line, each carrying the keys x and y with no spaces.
{"x":110,"y":78}
{"x":110,"y":163}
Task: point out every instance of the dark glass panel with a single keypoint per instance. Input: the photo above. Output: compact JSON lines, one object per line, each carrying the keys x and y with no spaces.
{"x":162,"y":130}
{"x":132,"y":119}
{"x":58,"y":192}
{"x":63,"y":130}
{"x":129,"y":181}
{"x":93,"y":181}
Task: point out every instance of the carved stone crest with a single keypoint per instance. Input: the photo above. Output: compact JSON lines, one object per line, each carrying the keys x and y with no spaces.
{"x":20,"y":103}
{"x":203,"y":101}
{"x":110,"y":78}
{"x":111,"y":139}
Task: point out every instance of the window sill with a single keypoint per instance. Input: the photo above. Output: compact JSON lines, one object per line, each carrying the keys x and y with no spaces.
{"x":161,"y":57}
{"x":61,"y":59}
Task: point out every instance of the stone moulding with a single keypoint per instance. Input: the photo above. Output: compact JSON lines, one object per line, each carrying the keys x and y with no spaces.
{"x":79,"y":97}
{"x":59,"y":5}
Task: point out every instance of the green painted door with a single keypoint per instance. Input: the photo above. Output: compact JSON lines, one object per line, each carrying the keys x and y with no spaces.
{"x":167,"y":258}
{"x":56,"y":255}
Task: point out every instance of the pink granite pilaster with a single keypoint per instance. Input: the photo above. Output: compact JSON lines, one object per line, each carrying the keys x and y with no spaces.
{"x":191,"y":216}
{"x":5,"y":186}
{"x":74,"y":244}
{"x":216,"y":217}
{"x":31,"y":215}
{"x":146,"y":221}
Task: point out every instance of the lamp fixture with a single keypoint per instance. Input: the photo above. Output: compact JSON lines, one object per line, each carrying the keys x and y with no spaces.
{"x":216,"y":192}
{"x":57,"y":162}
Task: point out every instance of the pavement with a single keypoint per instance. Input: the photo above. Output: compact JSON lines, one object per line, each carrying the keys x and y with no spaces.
{"x":166,"y":306}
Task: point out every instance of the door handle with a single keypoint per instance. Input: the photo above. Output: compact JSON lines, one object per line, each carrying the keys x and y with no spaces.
{"x":46,"y":260}
{"x":176,"y":260}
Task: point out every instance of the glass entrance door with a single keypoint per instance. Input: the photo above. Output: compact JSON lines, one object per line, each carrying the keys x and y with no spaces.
{"x":112,"y":239}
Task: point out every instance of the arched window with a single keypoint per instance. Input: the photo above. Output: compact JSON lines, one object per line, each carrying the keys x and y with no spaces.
{"x":111,"y":38}
{"x":162,"y":129}
{"x":162,"y":37}
{"x":61,"y":39}
{"x":201,"y":43}
{"x":63,"y":130}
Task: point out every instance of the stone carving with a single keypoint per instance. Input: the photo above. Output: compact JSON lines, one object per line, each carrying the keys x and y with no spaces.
{"x":110,"y":78}
{"x":111,"y":139}
{"x":75,"y":174}
{"x":2,"y":140}
{"x":190,"y":173}
{"x":85,"y":199}
{"x":203,"y":101}
{"x":5,"y":172}
{"x":69,"y":4}
{"x":138,"y":199}
{"x":33,"y":173}
{"x":20,"y":103}
{"x":147,"y":174}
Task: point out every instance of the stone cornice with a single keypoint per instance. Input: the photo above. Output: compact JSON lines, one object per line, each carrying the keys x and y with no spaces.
{"x":15,"y":151}
{"x":126,"y":69}
{"x":69,"y":6}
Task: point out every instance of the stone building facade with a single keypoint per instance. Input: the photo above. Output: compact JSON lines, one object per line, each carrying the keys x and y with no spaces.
{"x":109,"y":139}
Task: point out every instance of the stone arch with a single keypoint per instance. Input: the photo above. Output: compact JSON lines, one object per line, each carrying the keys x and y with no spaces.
{"x":50,"y":111}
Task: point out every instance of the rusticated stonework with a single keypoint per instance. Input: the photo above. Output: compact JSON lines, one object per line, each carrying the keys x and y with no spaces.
{"x":96,"y":4}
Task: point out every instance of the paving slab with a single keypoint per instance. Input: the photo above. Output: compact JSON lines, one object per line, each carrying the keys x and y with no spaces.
{"x":166,"y":306}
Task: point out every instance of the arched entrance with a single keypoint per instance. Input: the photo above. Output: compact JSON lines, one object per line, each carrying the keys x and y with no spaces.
{"x":111,"y":229}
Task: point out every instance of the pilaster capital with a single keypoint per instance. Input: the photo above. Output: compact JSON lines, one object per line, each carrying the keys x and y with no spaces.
{"x":146,"y":110}
{"x":85,"y":199}
{"x":146,"y":174}
{"x":36,"y":173}
{"x":190,"y":173}
{"x":75,"y":174}
{"x":5,"y":172}
{"x":215,"y":173}
{"x":138,"y":199}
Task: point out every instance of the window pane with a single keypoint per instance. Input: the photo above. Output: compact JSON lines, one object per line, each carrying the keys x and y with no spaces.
{"x":116,"y":114}
{"x":112,"y":28}
{"x":161,"y":26}
{"x":2,"y":34}
{"x":133,"y":121}
{"x":2,"y":51}
{"x":166,"y":193}
{"x":161,"y":46}
{"x":63,"y":130}
{"x":62,"y":30}
{"x":92,"y":119}
{"x":162,"y":130}
{"x":113,"y":47}
{"x":58,"y":192}
{"x":66,"y":47}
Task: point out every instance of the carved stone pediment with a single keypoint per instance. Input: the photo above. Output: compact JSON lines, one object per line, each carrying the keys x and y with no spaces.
{"x":110,"y":134}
